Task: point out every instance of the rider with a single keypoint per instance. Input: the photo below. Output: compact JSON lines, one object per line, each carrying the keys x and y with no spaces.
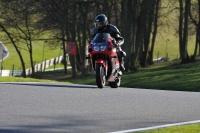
{"x":101,"y":25}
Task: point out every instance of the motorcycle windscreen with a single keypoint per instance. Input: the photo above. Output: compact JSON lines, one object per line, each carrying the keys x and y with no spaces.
{"x":101,"y":37}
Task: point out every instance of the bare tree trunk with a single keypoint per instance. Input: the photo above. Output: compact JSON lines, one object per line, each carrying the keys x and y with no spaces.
{"x":181,"y":28}
{"x":196,"y":24}
{"x":198,"y":35}
{"x":147,"y":33}
{"x":72,"y":58}
{"x":17,"y":50}
{"x":64,"y":48}
{"x":126,"y":30}
{"x":196,"y":46}
{"x":140,"y":30}
{"x":183,"y":44}
{"x":64,"y":27}
{"x":198,"y":27}
{"x":134,"y":30}
{"x":155,"y":27}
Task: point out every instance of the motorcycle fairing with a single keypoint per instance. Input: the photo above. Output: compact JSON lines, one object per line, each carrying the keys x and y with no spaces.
{"x":108,"y":57}
{"x":113,"y":72}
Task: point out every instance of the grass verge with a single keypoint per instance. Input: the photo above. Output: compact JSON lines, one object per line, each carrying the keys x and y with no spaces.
{"x":19,"y":79}
{"x":169,"y":76}
{"x":193,"y":128}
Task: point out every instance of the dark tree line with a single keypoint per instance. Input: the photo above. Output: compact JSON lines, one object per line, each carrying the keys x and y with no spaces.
{"x":139,"y":23}
{"x":72,"y":20}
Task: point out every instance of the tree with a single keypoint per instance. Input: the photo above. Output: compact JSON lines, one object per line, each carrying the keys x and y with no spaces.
{"x":142,"y":25}
{"x":19,"y":25}
{"x":70,"y":20}
{"x":4,"y":29}
{"x":128,"y":15}
{"x":154,"y":30}
{"x":55,"y":20}
{"x":151,"y":19}
{"x":194,"y":14}
{"x":138,"y":22}
{"x":183,"y":31}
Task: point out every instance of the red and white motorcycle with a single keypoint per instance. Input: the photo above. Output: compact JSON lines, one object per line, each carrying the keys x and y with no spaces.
{"x":105,"y":60}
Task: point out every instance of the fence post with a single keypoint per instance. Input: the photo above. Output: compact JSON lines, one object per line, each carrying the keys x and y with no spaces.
{"x":44,"y":65}
{"x":1,"y":70}
{"x":49,"y":62}
{"x":13,"y":69}
{"x":157,"y":56}
{"x":41,"y":67}
{"x":36,"y":68}
{"x":54,"y":63}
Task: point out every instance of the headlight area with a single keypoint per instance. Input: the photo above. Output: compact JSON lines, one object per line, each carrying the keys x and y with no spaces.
{"x":103,"y":48}
{"x":96,"y":48}
{"x":99,"y":48}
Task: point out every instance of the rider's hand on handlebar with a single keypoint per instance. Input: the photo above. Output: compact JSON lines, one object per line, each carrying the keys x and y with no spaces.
{"x":115,"y":43}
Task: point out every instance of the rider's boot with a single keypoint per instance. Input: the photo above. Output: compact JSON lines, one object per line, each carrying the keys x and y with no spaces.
{"x":121,"y":62}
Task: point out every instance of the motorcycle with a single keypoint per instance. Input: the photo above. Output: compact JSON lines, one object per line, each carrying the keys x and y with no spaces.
{"x":105,"y":60}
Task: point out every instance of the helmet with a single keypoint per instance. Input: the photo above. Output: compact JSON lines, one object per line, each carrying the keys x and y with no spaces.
{"x":101,"y":21}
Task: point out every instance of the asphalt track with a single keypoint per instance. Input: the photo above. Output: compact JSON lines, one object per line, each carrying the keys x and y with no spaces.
{"x":60,"y":108}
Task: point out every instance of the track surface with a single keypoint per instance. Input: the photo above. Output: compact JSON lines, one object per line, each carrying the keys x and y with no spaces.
{"x":59,"y":108}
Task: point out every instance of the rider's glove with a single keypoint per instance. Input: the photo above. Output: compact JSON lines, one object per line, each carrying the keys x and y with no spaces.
{"x":115,"y":43}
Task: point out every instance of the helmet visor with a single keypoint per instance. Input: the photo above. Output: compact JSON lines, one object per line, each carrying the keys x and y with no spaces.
{"x":99,"y":24}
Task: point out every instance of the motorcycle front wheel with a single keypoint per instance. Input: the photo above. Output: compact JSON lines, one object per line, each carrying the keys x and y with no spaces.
{"x":100,"y":76}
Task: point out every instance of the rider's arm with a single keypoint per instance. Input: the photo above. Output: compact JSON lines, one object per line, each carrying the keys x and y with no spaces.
{"x":116,"y":34}
{"x":94,"y":32}
{"x":119,"y":39}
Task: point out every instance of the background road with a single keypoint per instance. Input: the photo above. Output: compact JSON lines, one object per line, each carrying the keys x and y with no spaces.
{"x":58,"y":108}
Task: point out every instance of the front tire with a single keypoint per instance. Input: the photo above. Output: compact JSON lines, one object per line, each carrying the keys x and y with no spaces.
{"x":100,"y":76}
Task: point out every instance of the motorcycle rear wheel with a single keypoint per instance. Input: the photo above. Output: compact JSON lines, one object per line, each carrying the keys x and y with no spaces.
{"x":115,"y":84}
{"x":100,"y":76}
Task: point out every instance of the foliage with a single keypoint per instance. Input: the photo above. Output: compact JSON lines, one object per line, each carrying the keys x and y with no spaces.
{"x":143,"y":24}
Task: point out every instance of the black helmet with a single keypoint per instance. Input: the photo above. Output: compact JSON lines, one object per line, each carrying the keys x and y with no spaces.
{"x":101,"y":21}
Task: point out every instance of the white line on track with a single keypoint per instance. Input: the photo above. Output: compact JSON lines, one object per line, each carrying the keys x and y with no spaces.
{"x":157,"y":127}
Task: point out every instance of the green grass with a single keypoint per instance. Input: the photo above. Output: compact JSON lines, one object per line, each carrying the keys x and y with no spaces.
{"x":165,"y":77}
{"x":171,"y":47}
{"x":193,"y":128}
{"x":13,"y":57}
{"x":19,"y":79}
{"x":168,"y":76}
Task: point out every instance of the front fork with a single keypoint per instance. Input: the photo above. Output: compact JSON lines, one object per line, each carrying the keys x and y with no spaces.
{"x":104,"y":64}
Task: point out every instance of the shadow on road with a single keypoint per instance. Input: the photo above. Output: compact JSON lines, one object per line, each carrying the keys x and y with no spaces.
{"x":61,"y":124}
{"x":55,"y":85}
